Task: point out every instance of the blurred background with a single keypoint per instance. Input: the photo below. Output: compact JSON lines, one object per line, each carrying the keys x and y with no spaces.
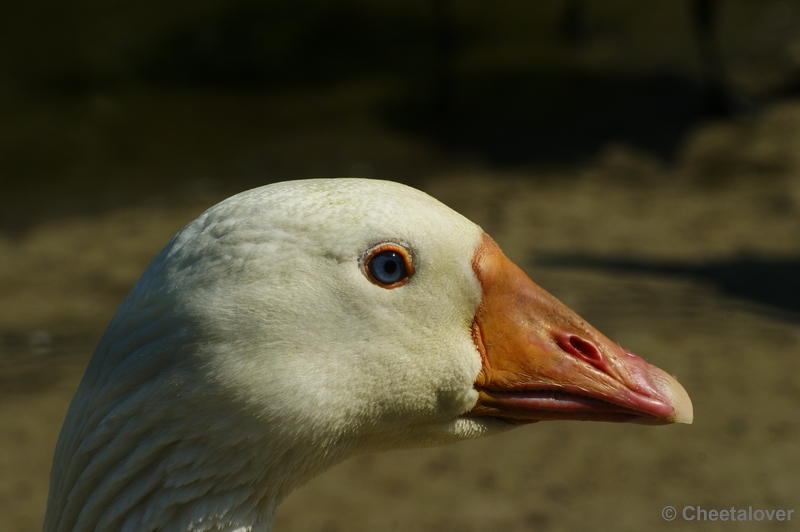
{"x":640,"y":160}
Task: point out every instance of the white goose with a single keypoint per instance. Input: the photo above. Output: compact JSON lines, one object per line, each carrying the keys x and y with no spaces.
{"x":295,"y":325}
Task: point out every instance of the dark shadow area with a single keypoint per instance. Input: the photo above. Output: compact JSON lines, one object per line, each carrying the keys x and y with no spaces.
{"x":774,"y":283}
{"x":530,"y":117}
{"x":287,"y":44}
{"x":260,"y":46}
{"x":505,"y":116}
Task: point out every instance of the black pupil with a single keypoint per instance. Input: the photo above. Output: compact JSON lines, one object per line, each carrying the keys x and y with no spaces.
{"x":388,"y":267}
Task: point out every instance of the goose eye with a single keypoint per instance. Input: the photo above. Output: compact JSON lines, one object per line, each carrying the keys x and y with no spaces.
{"x":389,"y":266}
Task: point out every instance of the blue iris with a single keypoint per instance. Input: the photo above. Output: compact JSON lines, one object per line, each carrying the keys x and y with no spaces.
{"x":388,"y":267}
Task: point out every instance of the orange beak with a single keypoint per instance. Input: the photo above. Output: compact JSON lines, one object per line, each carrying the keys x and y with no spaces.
{"x":542,"y":361}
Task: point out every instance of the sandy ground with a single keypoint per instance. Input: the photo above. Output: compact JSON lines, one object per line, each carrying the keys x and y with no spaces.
{"x":734,"y":193}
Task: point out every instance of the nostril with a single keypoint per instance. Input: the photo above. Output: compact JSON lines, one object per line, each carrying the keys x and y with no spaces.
{"x":577,"y":346}
{"x":584,"y":347}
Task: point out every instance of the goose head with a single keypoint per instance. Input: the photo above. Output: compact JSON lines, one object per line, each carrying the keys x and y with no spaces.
{"x":295,"y":325}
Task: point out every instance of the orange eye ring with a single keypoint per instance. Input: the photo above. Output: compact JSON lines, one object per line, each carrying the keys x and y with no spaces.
{"x":388,"y":265}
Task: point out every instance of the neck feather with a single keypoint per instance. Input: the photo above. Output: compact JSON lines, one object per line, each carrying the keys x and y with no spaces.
{"x":149,"y":445}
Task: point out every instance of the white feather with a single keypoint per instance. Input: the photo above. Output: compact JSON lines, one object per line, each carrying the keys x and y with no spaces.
{"x":254,"y":353}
